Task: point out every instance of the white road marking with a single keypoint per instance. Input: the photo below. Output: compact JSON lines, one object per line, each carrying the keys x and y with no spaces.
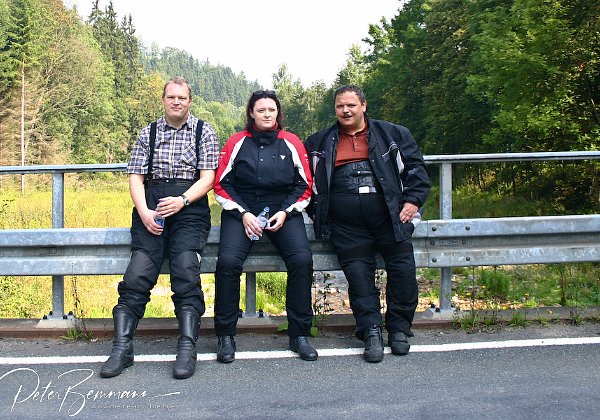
{"x":280,"y":354}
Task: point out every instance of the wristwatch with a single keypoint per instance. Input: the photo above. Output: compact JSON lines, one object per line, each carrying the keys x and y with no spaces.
{"x":186,"y":201}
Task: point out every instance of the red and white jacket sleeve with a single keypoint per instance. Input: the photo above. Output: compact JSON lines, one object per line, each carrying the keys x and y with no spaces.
{"x":225,"y":193}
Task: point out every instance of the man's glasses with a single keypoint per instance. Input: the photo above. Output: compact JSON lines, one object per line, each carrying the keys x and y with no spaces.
{"x":264,"y":93}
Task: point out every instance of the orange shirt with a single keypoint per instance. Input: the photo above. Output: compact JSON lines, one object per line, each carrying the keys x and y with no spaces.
{"x":352,"y":148}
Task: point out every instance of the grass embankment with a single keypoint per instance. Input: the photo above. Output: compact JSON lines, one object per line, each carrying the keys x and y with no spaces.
{"x":103,"y":201}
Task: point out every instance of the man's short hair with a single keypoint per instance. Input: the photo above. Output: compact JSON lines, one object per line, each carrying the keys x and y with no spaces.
{"x":177,"y":81}
{"x":350,"y":88}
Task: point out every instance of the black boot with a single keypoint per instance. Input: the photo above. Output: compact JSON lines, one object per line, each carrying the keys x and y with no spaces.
{"x":185,"y":362}
{"x":373,"y":345}
{"x":398,"y":341}
{"x":121,"y":356}
{"x":304,"y":349}
{"x":226,"y":350}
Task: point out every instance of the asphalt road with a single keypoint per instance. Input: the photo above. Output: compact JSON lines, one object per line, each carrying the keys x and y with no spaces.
{"x":550,"y":372}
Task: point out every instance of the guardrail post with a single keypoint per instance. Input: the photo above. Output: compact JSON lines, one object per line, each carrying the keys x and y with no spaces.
{"x":445,"y":213}
{"x":250,"y":296}
{"x":58,"y":222}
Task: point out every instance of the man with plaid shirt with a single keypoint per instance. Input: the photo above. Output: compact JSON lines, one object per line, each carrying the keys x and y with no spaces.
{"x":171,"y":218}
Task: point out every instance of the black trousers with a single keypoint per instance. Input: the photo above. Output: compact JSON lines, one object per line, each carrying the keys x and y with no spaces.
{"x":234,"y":246}
{"x":361,"y":225}
{"x":182,"y":241}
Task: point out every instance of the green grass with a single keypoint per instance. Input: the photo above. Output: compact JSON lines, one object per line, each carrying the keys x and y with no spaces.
{"x":525,"y":291}
{"x":533,"y":285}
{"x":25,"y":297}
{"x":270,"y":292}
{"x":470,"y":202}
{"x":99,"y":203}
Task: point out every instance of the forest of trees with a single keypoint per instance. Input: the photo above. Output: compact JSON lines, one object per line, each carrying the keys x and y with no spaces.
{"x":485,"y":76}
{"x":466,"y":76}
{"x":74,"y":91}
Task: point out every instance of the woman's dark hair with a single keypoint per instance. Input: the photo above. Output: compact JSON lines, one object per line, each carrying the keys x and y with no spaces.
{"x":261,"y":94}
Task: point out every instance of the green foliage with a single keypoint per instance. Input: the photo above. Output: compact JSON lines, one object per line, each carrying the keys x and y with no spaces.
{"x":4,"y":16}
{"x":269,"y":304}
{"x":489,"y":76}
{"x":225,"y":118}
{"x":495,"y":76}
{"x":211,"y":83}
{"x":491,"y":314}
{"x":527,"y":287}
{"x":274,"y":284}
{"x":518,"y":318}
{"x":270,"y":292}
{"x":495,"y":282}
{"x":538,"y":62}
{"x":468,"y":321}
{"x":121,"y":49}
{"x":24,"y":299}
{"x":63,"y":65}
{"x":88,"y":87}
{"x":355,"y":71}
{"x":17,"y":51}
{"x":77,"y":334}
{"x":305,"y":110}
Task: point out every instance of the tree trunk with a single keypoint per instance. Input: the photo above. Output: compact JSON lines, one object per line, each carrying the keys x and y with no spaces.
{"x":23,"y":125}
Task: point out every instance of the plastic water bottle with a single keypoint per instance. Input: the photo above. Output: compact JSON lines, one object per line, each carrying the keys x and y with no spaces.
{"x":262,"y":219}
{"x":159,"y":220}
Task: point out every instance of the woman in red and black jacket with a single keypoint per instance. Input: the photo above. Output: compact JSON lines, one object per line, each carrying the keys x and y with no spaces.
{"x":263,"y":166}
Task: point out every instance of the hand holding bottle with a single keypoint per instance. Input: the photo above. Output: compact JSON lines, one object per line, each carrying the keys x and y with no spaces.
{"x":262,"y":219}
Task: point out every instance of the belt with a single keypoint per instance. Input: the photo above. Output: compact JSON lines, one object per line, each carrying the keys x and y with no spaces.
{"x":355,"y":178}
{"x":171,"y":181}
{"x":360,"y":190}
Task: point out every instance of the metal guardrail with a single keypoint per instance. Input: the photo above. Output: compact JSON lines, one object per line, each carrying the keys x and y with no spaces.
{"x":442,"y":243}
{"x":437,"y":243}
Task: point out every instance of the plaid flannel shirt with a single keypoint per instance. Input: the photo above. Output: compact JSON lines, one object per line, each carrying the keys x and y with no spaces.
{"x":175,"y":151}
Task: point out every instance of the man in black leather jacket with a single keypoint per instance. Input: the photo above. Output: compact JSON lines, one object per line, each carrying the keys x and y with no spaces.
{"x":370,"y":181}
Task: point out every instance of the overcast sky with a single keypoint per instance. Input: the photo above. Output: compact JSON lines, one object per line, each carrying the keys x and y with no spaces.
{"x":311,"y":36}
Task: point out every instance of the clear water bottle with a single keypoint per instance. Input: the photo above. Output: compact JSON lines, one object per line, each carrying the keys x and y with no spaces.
{"x":262,"y":219}
{"x":159,"y":219}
